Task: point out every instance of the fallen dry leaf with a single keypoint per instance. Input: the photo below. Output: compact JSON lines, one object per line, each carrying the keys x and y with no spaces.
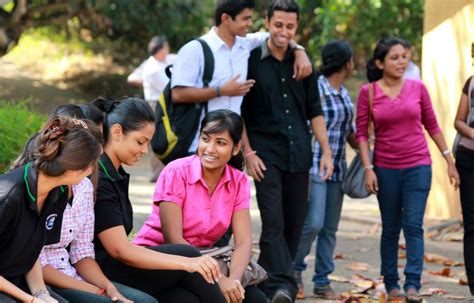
{"x":402,"y":247}
{"x":361,"y":249}
{"x":358,"y":266}
{"x":446,"y":272}
{"x":463,"y":282}
{"x":402,"y":255}
{"x":339,"y":279}
{"x":341,"y":256}
{"x":433,"y":291}
{"x":438,"y":259}
{"x":453,"y":297}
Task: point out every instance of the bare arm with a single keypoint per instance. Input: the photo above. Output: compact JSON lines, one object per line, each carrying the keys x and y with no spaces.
{"x":318,"y":125}
{"x":171,"y":217}
{"x":91,"y":272}
{"x":452,"y":171}
{"x":117,"y":245}
{"x":254,"y":165}
{"x":56,"y":278}
{"x":461,"y":117}
{"x":35,"y":282}
{"x":10,"y":289}
{"x":351,"y":139}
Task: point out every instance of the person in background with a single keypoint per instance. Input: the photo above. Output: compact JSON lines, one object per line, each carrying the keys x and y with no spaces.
{"x":277,"y":113}
{"x":412,"y":71}
{"x":325,"y":198}
{"x":465,"y":166}
{"x":170,"y":273}
{"x":33,"y":199}
{"x":401,"y":172}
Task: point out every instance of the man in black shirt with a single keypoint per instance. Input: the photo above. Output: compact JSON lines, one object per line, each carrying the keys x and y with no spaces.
{"x":278,"y":146}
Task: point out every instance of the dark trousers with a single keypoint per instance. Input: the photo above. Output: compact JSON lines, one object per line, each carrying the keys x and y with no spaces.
{"x":165,"y":285}
{"x":282,"y":199}
{"x":465,"y":166}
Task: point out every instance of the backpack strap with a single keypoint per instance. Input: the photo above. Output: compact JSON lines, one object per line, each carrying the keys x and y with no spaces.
{"x":208,"y":66}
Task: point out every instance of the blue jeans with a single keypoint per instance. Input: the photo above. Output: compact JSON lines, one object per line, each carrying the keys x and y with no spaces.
{"x":322,"y":220}
{"x":78,"y":296}
{"x":402,"y":201}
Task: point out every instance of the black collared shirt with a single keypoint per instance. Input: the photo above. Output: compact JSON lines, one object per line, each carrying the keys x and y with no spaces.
{"x":112,"y":206}
{"x":277,"y":109}
{"x":24,"y":231}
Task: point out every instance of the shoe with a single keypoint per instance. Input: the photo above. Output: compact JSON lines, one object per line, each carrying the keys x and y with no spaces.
{"x":324,"y":292}
{"x":282,"y":296}
{"x":412,"y":296}
{"x":395,"y":295}
{"x":299,"y":282}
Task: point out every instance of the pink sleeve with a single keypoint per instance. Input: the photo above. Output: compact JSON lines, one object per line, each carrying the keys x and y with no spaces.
{"x":242,"y":200}
{"x":43,"y":257}
{"x":82,"y":247}
{"x":170,"y":186}
{"x":362,"y":118}
{"x":428,"y":115}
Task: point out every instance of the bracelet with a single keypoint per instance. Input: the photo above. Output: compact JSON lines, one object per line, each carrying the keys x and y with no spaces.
{"x":40,"y":293}
{"x":446,"y":152}
{"x":368,"y":167}
{"x":100,"y":292}
{"x":218,"y":91}
{"x":252,"y":152}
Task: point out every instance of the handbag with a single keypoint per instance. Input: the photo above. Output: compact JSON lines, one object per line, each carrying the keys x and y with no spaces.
{"x":353,"y":183}
{"x":458,"y":137}
{"x":254,"y":273}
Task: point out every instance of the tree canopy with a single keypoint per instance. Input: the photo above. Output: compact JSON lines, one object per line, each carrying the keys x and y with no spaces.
{"x":361,"y":22}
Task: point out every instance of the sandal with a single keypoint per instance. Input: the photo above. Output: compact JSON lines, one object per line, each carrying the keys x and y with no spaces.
{"x":412,"y":296}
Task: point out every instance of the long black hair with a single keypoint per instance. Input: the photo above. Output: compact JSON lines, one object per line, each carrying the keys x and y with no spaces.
{"x":226,"y":120}
{"x":380,"y":52}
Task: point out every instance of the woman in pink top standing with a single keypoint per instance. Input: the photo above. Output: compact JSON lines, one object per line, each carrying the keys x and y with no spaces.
{"x":198,"y":197}
{"x":401,"y":172}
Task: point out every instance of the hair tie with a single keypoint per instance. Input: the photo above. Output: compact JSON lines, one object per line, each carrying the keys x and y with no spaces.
{"x":55,"y":131}
{"x":80,"y":122}
{"x":110,"y":105}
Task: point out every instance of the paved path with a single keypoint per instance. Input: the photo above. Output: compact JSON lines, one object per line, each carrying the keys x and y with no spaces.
{"x":358,"y":242}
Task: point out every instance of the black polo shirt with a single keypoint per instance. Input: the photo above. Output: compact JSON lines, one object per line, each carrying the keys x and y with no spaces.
{"x":24,"y":231}
{"x":277,"y":109}
{"x":112,"y":206}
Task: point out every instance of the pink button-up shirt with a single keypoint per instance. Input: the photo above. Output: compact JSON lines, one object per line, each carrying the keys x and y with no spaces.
{"x":205,"y":218}
{"x":77,"y":230}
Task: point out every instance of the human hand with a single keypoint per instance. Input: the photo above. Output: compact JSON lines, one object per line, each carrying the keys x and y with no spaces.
{"x":326,"y":166}
{"x":454,"y":176}
{"x":232,"y":290}
{"x":112,"y":292}
{"x":302,"y":67}
{"x":46,"y":298}
{"x":236,"y":88}
{"x":370,"y":181}
{"x":255,"y":167}
{"x":206,"y":266}
{"x":36,"y":300}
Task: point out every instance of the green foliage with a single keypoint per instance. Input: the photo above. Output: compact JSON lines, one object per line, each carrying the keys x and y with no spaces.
{"x":17,"y":125}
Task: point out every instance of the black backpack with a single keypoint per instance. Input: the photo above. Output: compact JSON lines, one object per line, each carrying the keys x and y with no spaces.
{"x":177,"y":123}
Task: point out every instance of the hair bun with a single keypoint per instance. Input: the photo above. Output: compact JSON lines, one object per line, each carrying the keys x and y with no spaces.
{"x":110,"y":105}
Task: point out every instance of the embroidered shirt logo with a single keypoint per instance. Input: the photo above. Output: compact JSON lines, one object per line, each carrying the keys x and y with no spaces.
{"x":50,"y":221}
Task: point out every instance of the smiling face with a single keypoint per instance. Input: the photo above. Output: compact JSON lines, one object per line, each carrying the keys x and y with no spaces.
{"x":130,"y":147}
{"x":395,"y":62}
{"x":282,"y":28}
{"x":240,"y":25}
{"x":216,"y":149}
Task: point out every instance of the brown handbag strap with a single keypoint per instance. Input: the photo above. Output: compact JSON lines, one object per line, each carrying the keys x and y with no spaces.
{"x":370,"y":129}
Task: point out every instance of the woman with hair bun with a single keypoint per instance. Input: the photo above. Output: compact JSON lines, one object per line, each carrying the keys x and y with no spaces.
{"x":32,"y":200}
{"x":170,"y":273}
{"x":401,"y":172}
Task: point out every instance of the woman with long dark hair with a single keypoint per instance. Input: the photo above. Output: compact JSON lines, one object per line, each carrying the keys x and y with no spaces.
{"x":170,"y":273}
{"x":401,"y":172}
{"x":198,"y":197}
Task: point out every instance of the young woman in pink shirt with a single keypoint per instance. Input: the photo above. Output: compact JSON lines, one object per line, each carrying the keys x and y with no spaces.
{"x":401,"y":172}
{"x":198,"y":197}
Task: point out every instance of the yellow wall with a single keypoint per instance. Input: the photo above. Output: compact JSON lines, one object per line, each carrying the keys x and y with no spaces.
{"x":446,"y":64}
